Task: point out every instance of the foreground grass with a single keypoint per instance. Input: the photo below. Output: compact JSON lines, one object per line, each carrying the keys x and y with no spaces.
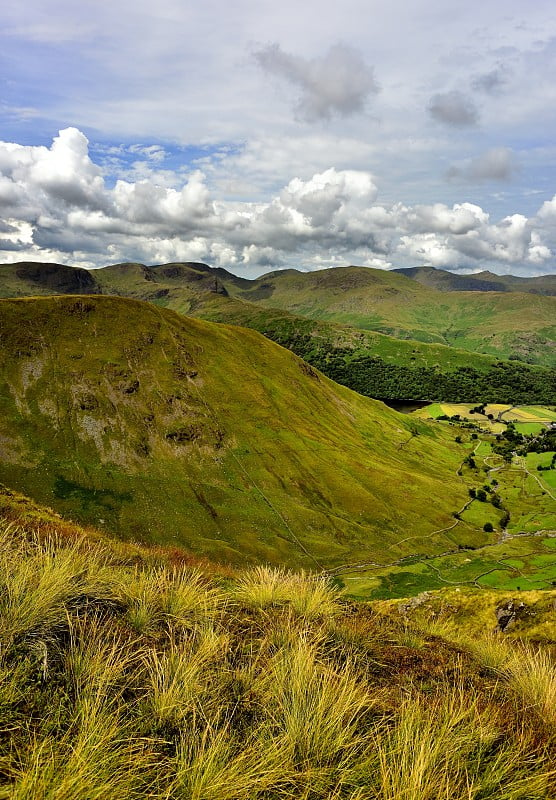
{"x":127,"y":678}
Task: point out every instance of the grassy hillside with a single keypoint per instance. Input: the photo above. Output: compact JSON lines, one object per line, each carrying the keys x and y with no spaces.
{"x":381,"y":366}
{"x":174,"y":430}
{"x":370,"y":362}
{"x":502,"y":324}
{"x":35,"y":278}
{"x":136,"y":680}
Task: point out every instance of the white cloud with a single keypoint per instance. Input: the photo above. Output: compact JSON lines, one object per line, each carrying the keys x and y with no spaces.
{"x":57,"y":206}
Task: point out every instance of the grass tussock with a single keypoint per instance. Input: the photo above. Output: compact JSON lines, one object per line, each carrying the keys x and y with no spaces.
{"x":173,"y":597}
{"x":449,"y":747}
{"x":309,"y":596}
{"x":531,"y":676}
{"x":160,"y":682}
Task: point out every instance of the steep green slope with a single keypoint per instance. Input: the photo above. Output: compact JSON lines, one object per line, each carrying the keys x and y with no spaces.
{"x":176,"y":430}
{"x":381,"y":366}
{"x":35,"y":278}
{"x":369,"y":362}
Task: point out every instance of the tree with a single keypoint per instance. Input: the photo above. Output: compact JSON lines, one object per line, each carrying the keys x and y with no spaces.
{"x":488,"y":527}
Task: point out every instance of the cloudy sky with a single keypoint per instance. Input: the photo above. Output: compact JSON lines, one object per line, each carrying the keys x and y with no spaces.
{"x":258,"y":135}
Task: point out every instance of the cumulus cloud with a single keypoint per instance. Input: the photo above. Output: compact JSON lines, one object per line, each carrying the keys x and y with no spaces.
{"x":497,"y":164}
{"x":338,"y":83}
{"x":454,"y":108}
{"x":57,"y":207}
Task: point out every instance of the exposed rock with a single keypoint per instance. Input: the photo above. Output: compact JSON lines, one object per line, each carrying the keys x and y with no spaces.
{"x":509,"y":612}
{"x":308,"y":370}
{"x":131,"y":387}
{"x":413,"y":603}
{"x":187,"y":433}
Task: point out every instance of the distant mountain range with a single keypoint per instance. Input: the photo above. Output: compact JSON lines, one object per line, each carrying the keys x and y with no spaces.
{"x":414,"y":324}
{"x":479,"y":281}
{"x":51,"y":277}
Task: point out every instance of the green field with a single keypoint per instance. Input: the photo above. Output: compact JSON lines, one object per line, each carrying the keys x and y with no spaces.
{"x":536,"y":416}
{"x":525,"y":563}
{"x":523,"y":555}
{"x":529,"y":427}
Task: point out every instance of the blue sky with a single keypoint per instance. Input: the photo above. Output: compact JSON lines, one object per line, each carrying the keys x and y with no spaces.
{"x":257,"y":135}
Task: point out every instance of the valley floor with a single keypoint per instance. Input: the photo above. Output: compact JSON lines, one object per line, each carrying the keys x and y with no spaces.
{"x":519,"y":553}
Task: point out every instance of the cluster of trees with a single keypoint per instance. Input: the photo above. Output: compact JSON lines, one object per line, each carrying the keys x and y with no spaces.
{"x":504,"y":383}
{"x":512,"y":441}
{"x":544,"y":442}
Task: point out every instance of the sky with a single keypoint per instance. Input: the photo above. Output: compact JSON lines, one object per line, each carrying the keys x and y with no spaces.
{"x":258,"y":135}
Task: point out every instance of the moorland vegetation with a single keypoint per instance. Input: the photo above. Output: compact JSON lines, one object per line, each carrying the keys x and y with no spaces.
{"x":131,"y":674}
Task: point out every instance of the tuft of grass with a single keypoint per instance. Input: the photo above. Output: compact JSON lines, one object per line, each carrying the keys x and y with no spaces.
{"x":309,"y":596}
{"x":179,"y":680}
{"x":448,"y":748}
{"x":213,"y":765}
{"x":261,"y":587}
{"x":531,"y":676}
{"x":169,"y":597}
{"x":98,"y":760}
{"x":188,"y":597}
{"x":98,"y":663}
{"x":492,"y":651}
{"x":40,"y":581}
{"x":314,"y":710}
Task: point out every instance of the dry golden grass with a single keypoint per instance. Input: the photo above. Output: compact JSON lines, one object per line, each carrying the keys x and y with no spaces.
{"x":161,"y":683}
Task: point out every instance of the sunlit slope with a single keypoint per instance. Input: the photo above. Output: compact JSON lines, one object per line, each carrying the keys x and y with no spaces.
{"x":501,"y":324}
{"x":497,"y":323}
{"x":168,"y":429}
{"x":198,"y":290}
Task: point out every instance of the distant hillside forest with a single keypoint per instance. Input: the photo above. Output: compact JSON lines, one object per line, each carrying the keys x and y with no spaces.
{"x":504,"y":382}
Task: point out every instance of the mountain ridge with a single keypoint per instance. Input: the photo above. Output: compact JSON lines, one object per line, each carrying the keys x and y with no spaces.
{"x":500,"y":325}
